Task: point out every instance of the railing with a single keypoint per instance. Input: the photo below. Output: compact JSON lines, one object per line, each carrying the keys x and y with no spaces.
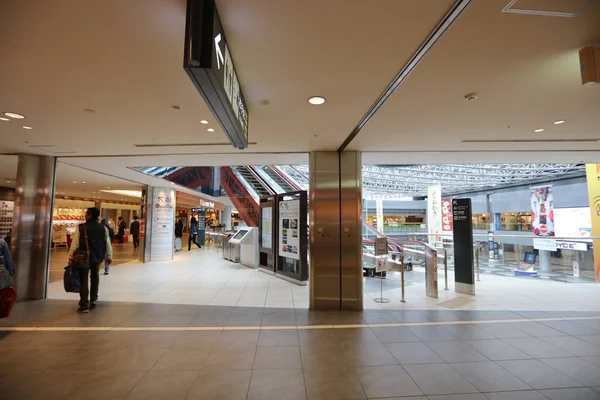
{"x":240,"y":196}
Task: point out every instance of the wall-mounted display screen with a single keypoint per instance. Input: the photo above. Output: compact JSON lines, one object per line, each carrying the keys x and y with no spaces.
{"x":573,"y":223}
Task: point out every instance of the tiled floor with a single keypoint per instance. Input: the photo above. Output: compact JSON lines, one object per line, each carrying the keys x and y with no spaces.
{"x":205,"y":278}
{"x":167,"y":351}
{"x":203,"y":328}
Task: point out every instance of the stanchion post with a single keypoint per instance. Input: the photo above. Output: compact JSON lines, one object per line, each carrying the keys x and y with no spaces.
{"x":446,"y":268}
{"x":477,"y":264}
{"x":402,"y":275}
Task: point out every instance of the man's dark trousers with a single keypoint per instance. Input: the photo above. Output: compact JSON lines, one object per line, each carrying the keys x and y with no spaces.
{"x":86,"y":295}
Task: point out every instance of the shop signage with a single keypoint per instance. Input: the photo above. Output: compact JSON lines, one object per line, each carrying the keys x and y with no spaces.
{"x":577,"y":246}
{"x":163,"y":211}
{"x":463,"y":246}
{"x":208,"y":63}
{"x":542,"y":211}
{"x":207,"y":204}
{"x":434,"y":212}
{"x":379,"y":209}
{"x":289,"y":218}
{"x":544,"y":244}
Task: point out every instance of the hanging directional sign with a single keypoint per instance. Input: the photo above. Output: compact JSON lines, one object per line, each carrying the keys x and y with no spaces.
{"x":208,"y":63}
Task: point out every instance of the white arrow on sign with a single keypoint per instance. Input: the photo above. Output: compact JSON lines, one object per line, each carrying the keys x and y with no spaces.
{"x":218,"y":50}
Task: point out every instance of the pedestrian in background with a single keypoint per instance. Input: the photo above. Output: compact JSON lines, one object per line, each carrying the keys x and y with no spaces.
{"x":121,"y":232}
{"x":193,"y":234}
{"x":134,"y":229}
{"x":111,"y":236}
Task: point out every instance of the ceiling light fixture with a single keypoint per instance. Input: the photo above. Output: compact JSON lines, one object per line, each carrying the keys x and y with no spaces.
{"x":316,"y":100}
{"x":14,"y":115}
{"x":210,"y":130}
{"x":204,"y":122}
{"x":538,"y":130}
{"x":4,"y":119}
{"x":26,"y":127}
{"x":560,"y":121}
{"x":83,"y":182}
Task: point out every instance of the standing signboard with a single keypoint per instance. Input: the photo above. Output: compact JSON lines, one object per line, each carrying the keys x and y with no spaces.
{"x":463,"y":246}
{"x":208,"y":63}
{"x":291,"y":236}
{"x":201,"y":227}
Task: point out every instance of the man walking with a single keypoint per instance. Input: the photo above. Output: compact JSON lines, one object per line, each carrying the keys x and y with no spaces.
{"x":134,"y":229}
{"x":94,"y":237}
{"x":122,"y":226}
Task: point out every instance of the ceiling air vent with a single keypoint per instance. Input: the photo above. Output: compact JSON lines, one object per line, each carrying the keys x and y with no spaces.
{"x":548,"y":8}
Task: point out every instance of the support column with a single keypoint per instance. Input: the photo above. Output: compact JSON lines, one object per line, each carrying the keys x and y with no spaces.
{"x":160,"y":224}
{"x":32,"y":225}
{"x":227,"y":217}
{"x":545,"y":265}
{"x":336,"y":231}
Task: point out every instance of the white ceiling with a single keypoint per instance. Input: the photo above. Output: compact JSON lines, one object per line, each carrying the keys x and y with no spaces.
{"x":124,"y":60}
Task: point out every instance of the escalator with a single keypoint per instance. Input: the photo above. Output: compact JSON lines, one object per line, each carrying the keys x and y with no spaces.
{"x":260,"y":186}
{"x":276,"y":179}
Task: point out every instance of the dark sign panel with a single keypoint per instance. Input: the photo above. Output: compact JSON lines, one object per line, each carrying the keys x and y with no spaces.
{"x":208,"y":63}
{"x":463,"y":243}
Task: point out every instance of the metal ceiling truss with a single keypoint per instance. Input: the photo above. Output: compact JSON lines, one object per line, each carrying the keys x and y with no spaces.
{"x":401,"y":181}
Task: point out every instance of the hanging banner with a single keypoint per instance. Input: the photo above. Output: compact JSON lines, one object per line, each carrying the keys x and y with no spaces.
{"x":434,"y":212}
{"x":593,"y":183}
{"x":379,"y":204}
{"x":446,"y":215}
{"x":542,"y":211}
{"x":289,"y":217}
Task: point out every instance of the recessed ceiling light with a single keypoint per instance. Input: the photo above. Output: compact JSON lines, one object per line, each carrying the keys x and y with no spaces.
{"x":14,"y":115}
{"x":538,"y":130}
{"x":4,"y":119}
{"x":83,"y":182}
{"x":204,"y":122}
{"x":89,"y":110}
{"x":560,"y":121}
{"x":175,"y":107}
{"x":316,"y":100}
{"x":27,"y":127}
{"x":74,"y":181}
{"x":210,"y":130}
{"x":264,"y":102}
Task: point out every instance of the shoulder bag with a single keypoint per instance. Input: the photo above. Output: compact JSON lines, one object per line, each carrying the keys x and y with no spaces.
{"x":81,"y":258}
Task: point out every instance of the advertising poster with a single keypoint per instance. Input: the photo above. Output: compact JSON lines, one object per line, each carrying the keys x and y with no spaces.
{"x":542,"y":211}
{"x":163,"y":211}
{"x":446,"y":215}
{"x":267,"y":227}
{"x":59,"y":233}
{"x":434,"y":212}
{"x":289,"y":218}
{"x":593,"y":183}
{"x":574,"y":223}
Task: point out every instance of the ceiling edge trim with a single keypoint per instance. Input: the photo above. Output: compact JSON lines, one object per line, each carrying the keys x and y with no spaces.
{"x":442,"y":26}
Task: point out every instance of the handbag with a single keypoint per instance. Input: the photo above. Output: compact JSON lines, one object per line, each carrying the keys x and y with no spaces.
{"x":81,"y":258}
{"x":8,"y":296}
{"x":71,"y":280}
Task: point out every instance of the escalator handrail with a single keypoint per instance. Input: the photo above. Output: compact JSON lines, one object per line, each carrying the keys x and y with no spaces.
{"x":252,"y":191}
